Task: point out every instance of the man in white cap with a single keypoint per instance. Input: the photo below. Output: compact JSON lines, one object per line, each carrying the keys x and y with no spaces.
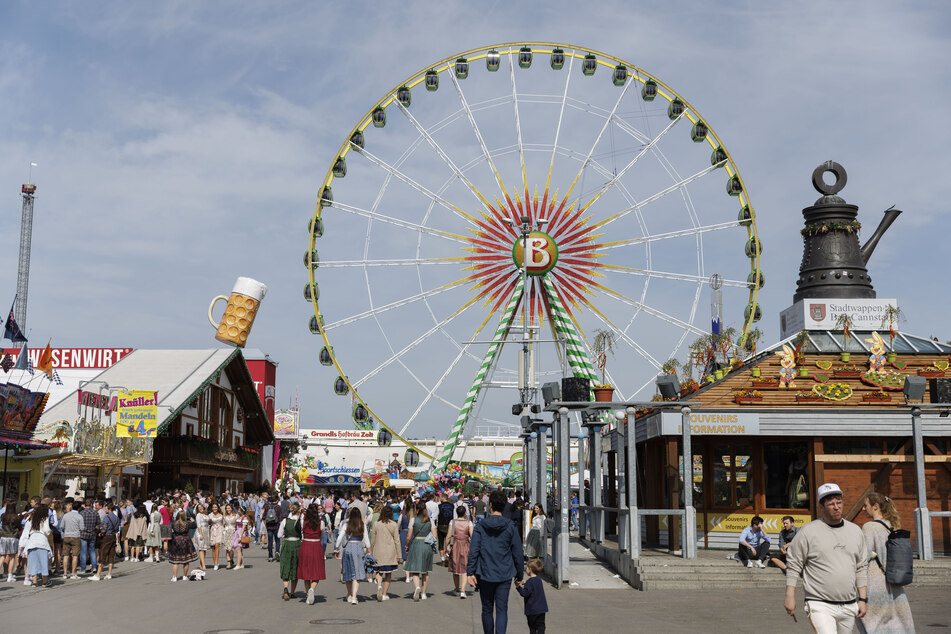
{"x":830,"y":555}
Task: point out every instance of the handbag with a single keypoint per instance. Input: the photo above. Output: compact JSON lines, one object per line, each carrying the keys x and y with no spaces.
{"x":431,"y":541}
{"x":244,"y":540}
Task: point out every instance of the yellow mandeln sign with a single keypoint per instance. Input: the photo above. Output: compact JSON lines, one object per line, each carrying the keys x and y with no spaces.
{"x":137,"y":414}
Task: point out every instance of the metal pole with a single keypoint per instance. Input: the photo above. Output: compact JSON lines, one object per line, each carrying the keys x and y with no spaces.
{"x":594,"y":448}
{"x":922,"y":518}
{"x":541,"y":476}
{"x":689,"y":528}
{"x":623,"y":527}
{"x":582,"y":465}
{"x":633,"y":520}
{"x":563,"y":453}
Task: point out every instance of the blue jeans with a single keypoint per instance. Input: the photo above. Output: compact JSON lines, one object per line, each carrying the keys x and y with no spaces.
{"x":87,"y":545}
{"x":273,"y":542}
{"x":479,"y":518}
{"x":258,"y":525}
{"x":495,"y":595}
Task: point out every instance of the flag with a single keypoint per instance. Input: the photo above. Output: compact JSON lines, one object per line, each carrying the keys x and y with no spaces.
{"x":11,"y":330}
{"x":45,"y":362}
{"x":56,"y":379}
{"x":6,"y":363}
{"x":23,"y":360}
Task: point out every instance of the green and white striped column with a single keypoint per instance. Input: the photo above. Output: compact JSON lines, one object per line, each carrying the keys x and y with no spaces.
{"x":445,"y":455}
{"x":578,"y":360}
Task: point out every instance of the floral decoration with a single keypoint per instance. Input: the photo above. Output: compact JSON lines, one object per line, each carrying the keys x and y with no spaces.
{"x":833,"y":391}
{"x":851,"y":226}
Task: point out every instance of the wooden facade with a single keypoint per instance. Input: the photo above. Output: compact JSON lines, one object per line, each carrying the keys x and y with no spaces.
{"x":214,"y":442}
{"x":774,"y":471}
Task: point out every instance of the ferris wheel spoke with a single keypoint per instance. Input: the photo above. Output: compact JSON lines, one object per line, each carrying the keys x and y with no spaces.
{"x":647,"y":148}
{"x":414,"y":184}
{"x":442,"y":154}
{"x":684,"y":277}
{"x":423,"y":337}
{"x":379,"y":310}
{"x":337,"y":264}
{"x":432,"y":391}
{"x":670,"y":235}
{"x":561,"y":117}
{"x":373,"y":215}
{"x":654,"y":312}
{"x":518,"y":127}
{"x":607,"y":123}
{"x":475,"y":129}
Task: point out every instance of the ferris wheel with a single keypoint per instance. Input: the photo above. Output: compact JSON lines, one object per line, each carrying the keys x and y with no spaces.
{"x":631,"y":201}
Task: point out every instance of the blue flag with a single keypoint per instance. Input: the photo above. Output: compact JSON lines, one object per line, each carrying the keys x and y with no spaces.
{"x":11,"y":330}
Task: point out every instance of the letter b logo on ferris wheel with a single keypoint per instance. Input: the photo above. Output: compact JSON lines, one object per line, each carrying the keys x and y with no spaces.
{"x":542,"y":253}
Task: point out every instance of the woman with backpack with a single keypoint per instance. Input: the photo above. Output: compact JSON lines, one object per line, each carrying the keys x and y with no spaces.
{"x":888,"y":608}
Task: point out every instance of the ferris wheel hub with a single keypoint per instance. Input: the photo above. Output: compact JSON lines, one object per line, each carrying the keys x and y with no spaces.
{"x":542,"y":253}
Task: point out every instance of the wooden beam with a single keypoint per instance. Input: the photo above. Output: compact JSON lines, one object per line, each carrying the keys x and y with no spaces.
{"x":875,"y":458}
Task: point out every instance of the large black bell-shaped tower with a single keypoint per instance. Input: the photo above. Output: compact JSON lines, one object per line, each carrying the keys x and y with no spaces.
{"x":833,"y":264}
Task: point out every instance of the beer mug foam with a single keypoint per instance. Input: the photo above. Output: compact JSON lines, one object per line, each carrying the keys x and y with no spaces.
{"x":242,"y":306}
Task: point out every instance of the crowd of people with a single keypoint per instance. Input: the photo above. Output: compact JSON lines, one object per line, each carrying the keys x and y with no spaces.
{"x":376,"y":535}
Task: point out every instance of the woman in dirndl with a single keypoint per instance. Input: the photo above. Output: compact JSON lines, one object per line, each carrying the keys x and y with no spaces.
{"x":460,"y":532}
{"x":229,"y":523}
{"x":533,"y":543}
{"x":419,"y":560}
{"x":216,"y":531}
{"x":385,"y":548}
{"x":181,"y":550}
{"x":354,"y":542}
{"x":289,"y":533}
{"x":153,"y":537}
{"x":242,"y":535}
{"x":310,"y":558}
{"x":201,"y":534}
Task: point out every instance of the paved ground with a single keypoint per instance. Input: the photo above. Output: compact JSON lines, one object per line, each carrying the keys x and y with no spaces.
{"x":141,"y":599}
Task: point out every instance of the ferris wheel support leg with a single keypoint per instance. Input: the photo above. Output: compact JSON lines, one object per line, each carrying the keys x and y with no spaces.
{"x":444,"y":456}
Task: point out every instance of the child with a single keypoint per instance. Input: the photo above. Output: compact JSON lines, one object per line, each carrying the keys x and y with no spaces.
{"x":533,"y":591}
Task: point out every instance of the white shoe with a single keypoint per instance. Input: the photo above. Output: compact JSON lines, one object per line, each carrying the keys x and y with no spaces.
{"x":310,"y":597}
{"x":379,"y":593}
{"x":174,"y":579}
{"x":749,"y":563}
{"x":11,"y":578}
{"x":108,"y":577}
{"x":94,"y":578}
{"x":423,"y":596}
{"x":353,"y":600}
{"x":241,"y":567}
{"x":127,"y":559}
{"x":462,"y":595}
{"x":386,"y":597}
{"x":75,"y":577}
{"x":216,"y":567}
{"x":760,"y":564}
{"x":27,"y":582}
{"x":407,"y":580}
{"x":416,"y":594}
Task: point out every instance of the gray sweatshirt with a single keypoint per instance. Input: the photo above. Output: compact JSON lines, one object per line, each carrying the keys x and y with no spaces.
{"x":832,"y":561}
{"x":71,"y":524}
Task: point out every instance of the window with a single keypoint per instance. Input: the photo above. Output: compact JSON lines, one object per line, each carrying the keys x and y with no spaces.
{"x":784,"y":472}
{"x":697,"y":478}
{"x":732,"y":476}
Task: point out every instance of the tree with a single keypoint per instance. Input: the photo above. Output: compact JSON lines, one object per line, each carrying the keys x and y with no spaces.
{"x":602,"y":345}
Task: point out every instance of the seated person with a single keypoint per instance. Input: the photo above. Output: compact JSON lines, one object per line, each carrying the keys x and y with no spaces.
{"x":785,"y":536}
{"x":754,"y":544}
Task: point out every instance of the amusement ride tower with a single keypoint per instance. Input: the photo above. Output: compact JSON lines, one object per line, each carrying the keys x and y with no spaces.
{"x":28,"y":191}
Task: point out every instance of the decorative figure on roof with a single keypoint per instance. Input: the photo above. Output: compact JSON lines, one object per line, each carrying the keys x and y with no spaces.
{"x":876,"y":360}
{"x":787,"y":373}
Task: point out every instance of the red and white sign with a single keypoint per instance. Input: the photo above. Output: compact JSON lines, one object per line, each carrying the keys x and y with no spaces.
{"x":75,"y":358}
{"x":341,"y":434}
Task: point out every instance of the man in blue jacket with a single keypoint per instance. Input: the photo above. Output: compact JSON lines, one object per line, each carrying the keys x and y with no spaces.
{"x":495,"y":558}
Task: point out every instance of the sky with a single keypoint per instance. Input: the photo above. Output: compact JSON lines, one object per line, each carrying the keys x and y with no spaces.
{"x":180,"y":145}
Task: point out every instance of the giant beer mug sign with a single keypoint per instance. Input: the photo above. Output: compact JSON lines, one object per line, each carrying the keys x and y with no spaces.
{"x":242,"y":306}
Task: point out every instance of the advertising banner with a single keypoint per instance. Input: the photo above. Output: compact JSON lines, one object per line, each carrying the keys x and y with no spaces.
{"x":137,"y":414}
{"x":821,"y":314}
{"x":286,"y":423}
{"x":342,"y":434}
